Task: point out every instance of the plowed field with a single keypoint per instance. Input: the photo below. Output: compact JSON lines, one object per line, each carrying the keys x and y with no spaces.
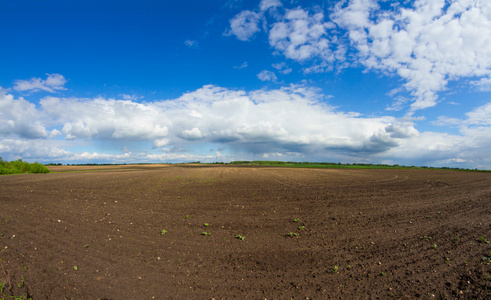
{"x":139,"y":232}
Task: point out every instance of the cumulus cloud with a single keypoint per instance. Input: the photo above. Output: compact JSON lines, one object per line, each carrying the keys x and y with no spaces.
{"x":301,"y":35}
{"x":51,"y":84}
{"x":267,"y":4}
{"x":290,"y":122}
{"x":266,"y":75}
{"x":19,"y":117}
{"x":291,"y":118}
{"x":105,"y":118}
{"x":38,"y":149}
{"x":469,"y":148}
{"x":244,"y":25}
{"x":427,"y":43}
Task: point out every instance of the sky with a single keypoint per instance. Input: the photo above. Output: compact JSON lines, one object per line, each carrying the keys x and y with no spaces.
{"x":353,"y":81}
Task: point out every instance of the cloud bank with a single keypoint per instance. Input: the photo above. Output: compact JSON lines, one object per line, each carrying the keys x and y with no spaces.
{"x":292,"y":122}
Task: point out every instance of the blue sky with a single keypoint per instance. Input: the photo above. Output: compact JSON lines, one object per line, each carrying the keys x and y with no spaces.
{"x":398,"y":82}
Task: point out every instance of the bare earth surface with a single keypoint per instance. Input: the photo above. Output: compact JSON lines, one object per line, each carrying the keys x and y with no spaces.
{"x":308,"y":233}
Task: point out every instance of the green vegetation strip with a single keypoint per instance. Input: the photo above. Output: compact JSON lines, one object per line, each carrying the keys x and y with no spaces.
{"x":340,"y":165}
{"x":19,"y":167}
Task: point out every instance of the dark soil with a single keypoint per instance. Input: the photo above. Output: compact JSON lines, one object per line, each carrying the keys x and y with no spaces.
{"x":308,"y":233}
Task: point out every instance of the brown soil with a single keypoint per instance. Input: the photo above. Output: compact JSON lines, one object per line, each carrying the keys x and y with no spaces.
{"x":366,"y":234}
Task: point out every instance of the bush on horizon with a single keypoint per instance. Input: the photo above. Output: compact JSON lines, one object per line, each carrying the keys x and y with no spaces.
{"x":19,"y":166}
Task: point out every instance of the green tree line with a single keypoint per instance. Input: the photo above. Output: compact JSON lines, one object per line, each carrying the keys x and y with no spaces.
{"x":19,"y":166}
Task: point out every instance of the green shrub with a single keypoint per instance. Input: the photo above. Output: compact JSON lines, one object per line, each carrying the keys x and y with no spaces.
{"x":20,"y":166}
{"x":38,"y":168}
{"x":4,"y":170}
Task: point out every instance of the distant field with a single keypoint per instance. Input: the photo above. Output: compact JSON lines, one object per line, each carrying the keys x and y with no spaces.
{"x":239,"y":232}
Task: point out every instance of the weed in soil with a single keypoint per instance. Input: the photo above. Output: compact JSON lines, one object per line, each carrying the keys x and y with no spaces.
{"x":483,"y":240}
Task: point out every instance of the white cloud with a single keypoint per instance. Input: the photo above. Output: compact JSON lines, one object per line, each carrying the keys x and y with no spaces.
{"x":481,"y":116}
{"x":470,"y":148}
{"x":244,"y":25}
{"x":266,"y":75}
{"x":192,"y":134}
{"x":301,"y":35}
{"x":290,"y":118}
{"x":291,"y":122}
{"x":38,"y":149}
{"x":242,"y":66}
{"x":47,"y":151}
{"x":191,"y":43}
{"x":105,"y":118}
{"x":160,"y":143}
{"x":267,"y":4}
{"x":19,"y":117}
{"x":51,"y":84}
{"x":131,"y":97}
{"x":427,"y":45}
{"x":483,"y":85}
{"x":282,"y":68}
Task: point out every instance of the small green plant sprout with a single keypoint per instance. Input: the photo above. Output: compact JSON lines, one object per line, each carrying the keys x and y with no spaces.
{"x":435,"y":245}
{"x":292,"y":234}
{"x":383,"y":274}
{"x":301,"y":227}
{"x":163,"y":231}
{"x":296,"y":220}
{"x":75,"y":268}
{"x":240,"y":237}
{"x":207,"y":224}
{"x":206,"y":233}
{"x":456,"y":239}
{"x":86,"y":246}
{"x":335,"y":269}
{"x":483,"y":240}
{"x":21,"y":283}
{"x":186,"y":217}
